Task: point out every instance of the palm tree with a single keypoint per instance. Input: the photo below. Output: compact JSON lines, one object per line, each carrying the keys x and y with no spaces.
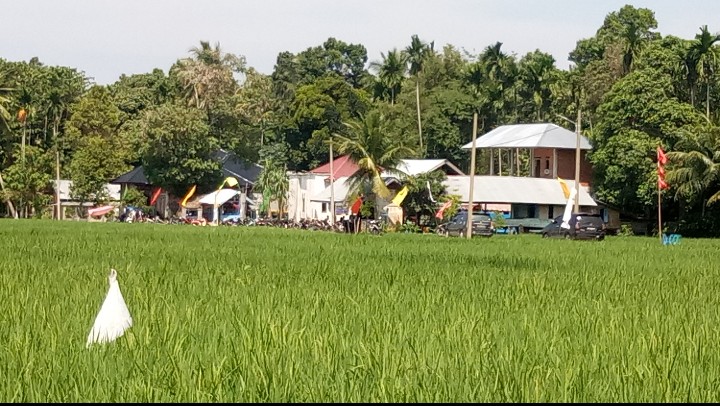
{"x":391,"y":71}
{"x":274,"y":183}
{"x":702,"y":60}
{"x":256,"y":101}
{"x":416,"y":54}
{"x":695,"y":168}
{"x":537,"y":74}
{"x":368,"y":145}
{"x":208,"y":74}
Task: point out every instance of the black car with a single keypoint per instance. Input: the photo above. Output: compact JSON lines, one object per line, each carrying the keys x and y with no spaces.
{"x":482,"y":225}
{"x":583,"y":226}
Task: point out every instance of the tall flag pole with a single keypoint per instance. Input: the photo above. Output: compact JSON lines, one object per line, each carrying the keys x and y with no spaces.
{"x":662,"y":184}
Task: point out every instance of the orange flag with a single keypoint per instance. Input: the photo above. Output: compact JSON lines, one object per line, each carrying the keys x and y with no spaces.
{"x":355,"y":209}
{"x":155,"y":196}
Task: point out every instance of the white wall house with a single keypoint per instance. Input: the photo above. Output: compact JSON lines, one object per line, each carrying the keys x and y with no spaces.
{"x":309,"y":192}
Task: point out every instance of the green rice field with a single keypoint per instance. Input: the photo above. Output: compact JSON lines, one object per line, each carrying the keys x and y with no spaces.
{"x":243,"y":314}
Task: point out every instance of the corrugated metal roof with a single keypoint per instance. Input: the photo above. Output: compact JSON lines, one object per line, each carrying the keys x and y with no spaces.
{"x":544,"y":135}
{"x":343,"y":166}
{"x":134,"y":177}
{"x":512,"y":189}
{"x":415,"y":167}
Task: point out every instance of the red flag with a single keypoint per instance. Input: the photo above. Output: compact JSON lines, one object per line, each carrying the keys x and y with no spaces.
{"x":155,"y":196}
{"x":662,"y":159}
{"x":355,"y":209}
{"x":444,"y":207}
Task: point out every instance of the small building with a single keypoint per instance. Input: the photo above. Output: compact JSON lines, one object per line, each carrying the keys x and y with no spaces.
{"x":245,"y":172}
{"x":71,"y":207}
{"x":552,"y":150}
{"x":526,"y":197}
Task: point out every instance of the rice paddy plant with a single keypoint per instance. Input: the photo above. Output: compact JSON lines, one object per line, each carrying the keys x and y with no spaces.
{"x":270,"y":315}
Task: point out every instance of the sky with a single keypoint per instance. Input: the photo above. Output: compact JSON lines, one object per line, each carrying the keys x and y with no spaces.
{"x":107,"y":38}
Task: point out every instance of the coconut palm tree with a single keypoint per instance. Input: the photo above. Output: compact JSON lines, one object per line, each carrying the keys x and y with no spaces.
{"x":416,"y":54}
{"x":391,"y":71}
{"x":367,"y":144}
{"x":208,"y":74}
{"x":694,"y":169}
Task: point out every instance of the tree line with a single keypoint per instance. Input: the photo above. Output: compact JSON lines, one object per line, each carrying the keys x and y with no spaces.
{"x":636,"y":88}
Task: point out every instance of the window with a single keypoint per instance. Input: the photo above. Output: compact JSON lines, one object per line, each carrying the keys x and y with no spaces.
{"x":324,"y":207}
{"x":551,"y":211}
{"x":547,"y":164}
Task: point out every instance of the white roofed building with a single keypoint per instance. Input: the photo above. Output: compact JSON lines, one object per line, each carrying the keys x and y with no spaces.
{"x":551,"y":150}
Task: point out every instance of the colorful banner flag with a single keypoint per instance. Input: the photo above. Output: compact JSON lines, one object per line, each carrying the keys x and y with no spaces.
{"x":188,"y":196}
{"x":661,"y":161}
{"x":661,"y":157}
{"x":155,"y":196}
{"x":444,"y":207}
{"x":566,"y":190}
{"x":230,"y":181}
{"x":355,"y":209}
{"x":400,"y":196}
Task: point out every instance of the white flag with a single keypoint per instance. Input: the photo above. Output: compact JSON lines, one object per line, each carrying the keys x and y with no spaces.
{"x":114,"y":316}
{"x":568,"y":209}
{"x":430,"y":192}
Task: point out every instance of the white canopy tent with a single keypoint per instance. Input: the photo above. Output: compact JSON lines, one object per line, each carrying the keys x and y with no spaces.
{"x":218,"y":198}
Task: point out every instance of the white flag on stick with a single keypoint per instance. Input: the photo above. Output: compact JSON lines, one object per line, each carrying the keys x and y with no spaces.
{"x":114,"y":316}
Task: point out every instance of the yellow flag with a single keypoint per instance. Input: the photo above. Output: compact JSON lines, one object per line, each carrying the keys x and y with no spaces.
{"x":566,"y":190}
{"x":187,"y":196}
{"x":400,"y":196}
{"x":230,"y":181}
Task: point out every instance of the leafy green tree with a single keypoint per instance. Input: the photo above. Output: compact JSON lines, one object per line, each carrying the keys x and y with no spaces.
{"x":639,"y":114}
{"x":418,"y":201}
{"x":256,"y":102}
{"x":29,"y":184}
{"x":320,"y":109}
{"x":179,"y":148}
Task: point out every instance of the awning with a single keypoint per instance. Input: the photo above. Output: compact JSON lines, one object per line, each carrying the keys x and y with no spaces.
{"x":219,"y":197}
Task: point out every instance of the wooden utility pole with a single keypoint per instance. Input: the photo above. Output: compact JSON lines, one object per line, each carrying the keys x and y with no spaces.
{"x":577,"y":161}
{"x":332,"y":187}
{"x":469,"y":222}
